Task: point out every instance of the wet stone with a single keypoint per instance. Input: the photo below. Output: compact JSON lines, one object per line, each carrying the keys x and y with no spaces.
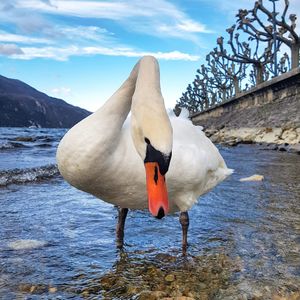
{"x":217,"y":270}
{"x":203,"y":296}
{"x":158,"y":294}
{"x":257,"y":295}
{"x":107,"y":282}
{"x":52,"y":290}
{"x":202,"y":286}
{"x":147,"y":295}
{"x":243,"y":297}
{"x":170,"y":278}
{"x":33,"y":289}
{"x":176,"y":293}
{"x":85,"y":294}
{"x":132,"y":290}
{"x":24,"y":139}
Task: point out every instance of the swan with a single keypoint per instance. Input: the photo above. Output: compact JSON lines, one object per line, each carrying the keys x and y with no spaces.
{"x":131,"y":150}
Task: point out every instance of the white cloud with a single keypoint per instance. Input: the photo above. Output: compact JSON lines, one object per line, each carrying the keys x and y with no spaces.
{"x":16,"y":38}
{"x":55,"y":53}
{"x":10,"y":49}
{"x":48,"y":2}
{"x":84,"y":33}
{"x":173,"y":55}
{"x":89,"y":32}
{"x":85,"y":9}
{"x":148,"y":17}
{"x":64,"y":53}
{"x":192,"y":26}
{"x":59,"y":41}
{"x":61,"y":91}
{"x":26,"y":21}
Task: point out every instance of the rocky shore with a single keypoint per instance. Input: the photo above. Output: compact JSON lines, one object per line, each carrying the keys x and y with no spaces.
{"x":267,"y":114}
{"x":275,"y":125}
{"x":276,"y":138}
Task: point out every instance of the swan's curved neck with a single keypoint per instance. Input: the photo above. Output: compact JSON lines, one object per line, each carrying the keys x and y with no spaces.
{"x":142,"y":85}
{"x":148,"y":79}
{"x":149,"y":116}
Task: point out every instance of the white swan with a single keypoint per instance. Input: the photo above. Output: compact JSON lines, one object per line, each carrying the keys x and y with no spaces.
{"x":104,"y":153}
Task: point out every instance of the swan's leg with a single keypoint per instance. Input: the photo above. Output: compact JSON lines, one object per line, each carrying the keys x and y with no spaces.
{"x":120,"y":226}
{"x":184,"y":221}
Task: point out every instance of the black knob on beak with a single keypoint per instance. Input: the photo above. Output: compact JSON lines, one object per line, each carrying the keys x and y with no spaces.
{"x":161,"y":213}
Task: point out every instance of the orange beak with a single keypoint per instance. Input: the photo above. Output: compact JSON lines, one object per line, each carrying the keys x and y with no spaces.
{"x":157,"y":190}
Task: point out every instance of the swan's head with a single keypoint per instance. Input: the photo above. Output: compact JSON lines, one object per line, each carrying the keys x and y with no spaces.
{"x":153,"y":137}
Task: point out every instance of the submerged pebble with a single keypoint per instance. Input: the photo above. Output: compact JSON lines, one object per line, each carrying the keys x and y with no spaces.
{"x":170,"y":278}
{"x":52,"y":290}
{"x":165,"y":278}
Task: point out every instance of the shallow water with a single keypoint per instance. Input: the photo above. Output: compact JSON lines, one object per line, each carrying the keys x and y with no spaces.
{"x":59,"y":243}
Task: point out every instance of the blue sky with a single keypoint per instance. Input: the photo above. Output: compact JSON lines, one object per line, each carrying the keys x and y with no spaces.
{"x":82,"y":50}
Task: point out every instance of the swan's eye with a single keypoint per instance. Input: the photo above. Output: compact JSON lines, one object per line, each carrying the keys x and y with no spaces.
{"x":147,"y":141}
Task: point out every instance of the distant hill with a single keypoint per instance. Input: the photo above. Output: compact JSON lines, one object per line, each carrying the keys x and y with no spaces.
{"x":22,"y":105}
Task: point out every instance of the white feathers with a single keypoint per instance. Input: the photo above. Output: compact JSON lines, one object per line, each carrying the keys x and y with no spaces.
{"x":101,"y":156}
{"x":184,"y":114}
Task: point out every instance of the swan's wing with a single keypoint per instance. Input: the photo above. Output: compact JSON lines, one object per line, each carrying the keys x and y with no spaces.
{"x":196,"y":166}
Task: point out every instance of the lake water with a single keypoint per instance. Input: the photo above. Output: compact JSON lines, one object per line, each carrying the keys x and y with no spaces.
{"x":59,"y":243}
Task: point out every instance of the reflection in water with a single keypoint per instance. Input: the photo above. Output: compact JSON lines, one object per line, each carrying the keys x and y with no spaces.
{"x":59,"y":243}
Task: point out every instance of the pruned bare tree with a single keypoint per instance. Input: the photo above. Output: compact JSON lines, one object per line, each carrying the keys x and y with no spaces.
{"x":244,"y":53}
{"x":191,"y":100}
{"x":206,"y":88}
{"x":284,"y":64}
{"x":277,"y":30}
{"x":264,"y":31}
{"x":234,"y":72}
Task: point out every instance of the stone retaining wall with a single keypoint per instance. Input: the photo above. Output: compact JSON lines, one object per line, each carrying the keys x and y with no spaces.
{"x":267,"y":113}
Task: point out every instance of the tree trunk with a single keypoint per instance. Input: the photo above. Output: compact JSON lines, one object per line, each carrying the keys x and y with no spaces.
{"x":201,"y":106}
{"x":223,"y":94}
{"x":295,"y":55}
{"x":236,"y":86}
{"x":259,"y":74}
{"x":206,"y":103}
